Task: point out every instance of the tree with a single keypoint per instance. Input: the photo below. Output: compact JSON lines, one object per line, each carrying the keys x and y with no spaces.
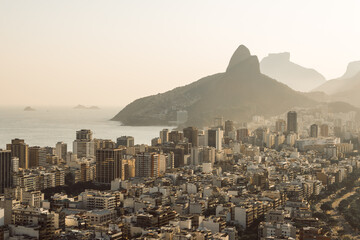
{"x":326,"y":206}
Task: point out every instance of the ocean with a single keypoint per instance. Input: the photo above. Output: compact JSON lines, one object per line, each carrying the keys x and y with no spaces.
{"x":48,"y":125}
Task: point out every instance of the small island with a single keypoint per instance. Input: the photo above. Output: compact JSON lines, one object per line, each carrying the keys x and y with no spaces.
{"x":94,"y":108}
{"x":28,"y":108}
{"x":82,"y":107}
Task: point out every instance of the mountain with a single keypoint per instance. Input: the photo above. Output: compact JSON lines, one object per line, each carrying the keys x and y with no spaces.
{"x":346,"y":88}
{"x":343,"y":83}
{"x":279,"y":67}
{"x":352,"y":69}
{"x":28,"y":108}
{"x":238,"y":94}
{"x":82,"y":107}
{"x":349,"y":91}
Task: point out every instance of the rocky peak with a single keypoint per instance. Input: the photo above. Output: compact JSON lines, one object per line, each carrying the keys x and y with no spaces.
{"x":242,"y":56}
{"x":279,"y":57}
{"x":353,"y":69}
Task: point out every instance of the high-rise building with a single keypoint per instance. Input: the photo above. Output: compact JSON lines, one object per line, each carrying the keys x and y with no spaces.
{"x":215,"y":138}
{"x":260,"y":134}
{"x":229,"y":127}
{"x":291,"y":139}
{"x":128,"y":169}
{"x":338,"y":132}
{"x":314,"y":130}
{"x":84,"y":145}
{"x":20,"y":150}
{"x":164,"y":136}
{"x":211,"y":138}
{"x":15,"y":164}
{"x":50,"y":150}
{"x":108,"y":164}
{"x":176,"y":136}
{"x":170,"y":160}
{"x":279,"y":139}
{"x":34,"y":156}
{"x":87,"y":172}
{"x":61,"y":150}
{"x":148,"y":164}
{"x":269,"y":140}
{"x":280,"y":125}
{"x":104,"y":143}
{"x":84,"y":134}
{"x":292,"y":121}
{"x":201,"y":155}
{"x":126,"y":141}
{"x":219,"y":122}
{"x":155,"y":142}
{"x":324,"y":130}
{"x":43,"y":155}
{"x":191,"y":133}
{"x":179,"y":157}
{"x":5,"y":170}
{"x":242,"y":134}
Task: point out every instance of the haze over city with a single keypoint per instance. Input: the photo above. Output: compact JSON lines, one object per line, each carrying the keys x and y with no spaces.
{"x":179,"y":120}
{"x":113,"y":52}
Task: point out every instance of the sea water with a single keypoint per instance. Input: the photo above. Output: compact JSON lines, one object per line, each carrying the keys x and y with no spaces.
{"x":48,"y":125}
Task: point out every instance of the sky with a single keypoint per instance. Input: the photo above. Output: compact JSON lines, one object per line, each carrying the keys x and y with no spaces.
{"x":111,"y":52}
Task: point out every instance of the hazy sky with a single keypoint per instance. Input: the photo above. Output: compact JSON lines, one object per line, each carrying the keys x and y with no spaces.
{"x":110,"y":52}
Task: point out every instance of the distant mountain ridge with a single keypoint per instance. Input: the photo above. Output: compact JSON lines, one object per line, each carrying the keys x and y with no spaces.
{"x":238,"y":94}
{"x":279,"y":67}
{"x":345,"y":81}
{"x":82,"y":107}
{"x":346,"y":88}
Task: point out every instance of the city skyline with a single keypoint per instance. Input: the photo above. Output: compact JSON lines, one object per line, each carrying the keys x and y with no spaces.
{"x":225,"y":181}
{"x":179,"y":120}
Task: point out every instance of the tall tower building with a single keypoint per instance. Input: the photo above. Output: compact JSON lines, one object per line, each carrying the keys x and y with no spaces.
{"x":5,"y":170}
{"x":229,"y":127}
{"x":84,"y":134}
{"x":84,"y":145}
{"x":176,"y":136}
{"x":20,"y":150}
{"x":314,"y":131}
{"x":126,"y":141}
{"x":260,"y":134}
{"x":191,"y":133}
{"x":338,"y":132}
{"x":108,"y":164}
{"x":43,"y":157}
{"x":242,"y":134}
{"x":211,"y":138}
{"x":292,"y":122}
{"x":34,"y":156}
{"x":128,"y":169}
{"x":61,"y":150}
{"x":215,"y":138}
{"x":15,"y":164}
{"x":164,"y":136}
{"x":104,"y":144}
{"x":280,"y":125}
{"x":219,"y":122}
{"x":324,"y":130}
{"x":147,"y":165}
